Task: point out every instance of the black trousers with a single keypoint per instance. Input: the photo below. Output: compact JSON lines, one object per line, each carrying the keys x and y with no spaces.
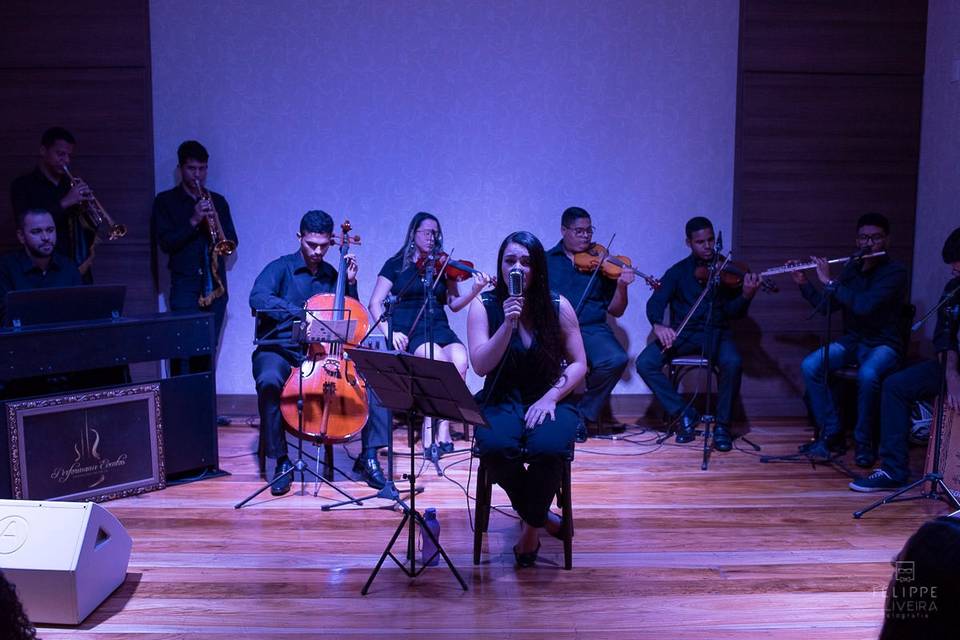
{"x":651,"y":361}
{"x":271,"y":368}
{"x":184,"y":296}
{"x":900,"y":390}
{"x":507,"y":444}
{"x":606,"y":360}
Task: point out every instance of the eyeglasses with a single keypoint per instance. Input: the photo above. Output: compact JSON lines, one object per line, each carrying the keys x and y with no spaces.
{"x":875,"y":238}
{"x":582,"y":231}
{"x":427,"y":232}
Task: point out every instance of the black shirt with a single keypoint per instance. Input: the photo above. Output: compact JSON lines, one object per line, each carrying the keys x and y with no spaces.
{"x":945,"y":339}
{"x":285,"y":285}
{"x":188,"y":246}
{"x":871,"y":302}
{"x":17,"y":272}
{"x":35,"y":191}
{"x":570,"y":283}
{"x":679,"y":289}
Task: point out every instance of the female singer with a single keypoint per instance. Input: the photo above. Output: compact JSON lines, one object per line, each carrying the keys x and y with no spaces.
{"x":412,"y":319}
{"x":530,"y":350}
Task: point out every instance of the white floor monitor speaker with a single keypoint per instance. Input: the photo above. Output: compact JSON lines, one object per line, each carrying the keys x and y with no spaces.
{"x":64,"y":558}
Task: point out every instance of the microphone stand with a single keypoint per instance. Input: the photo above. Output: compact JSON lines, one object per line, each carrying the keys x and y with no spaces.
{"x":804,"y":456}
{"x":389,"y":490}
{"x":938,"y":489}
{"x":433,"y":452}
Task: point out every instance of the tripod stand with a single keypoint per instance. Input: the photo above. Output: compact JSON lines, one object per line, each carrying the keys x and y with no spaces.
{"x":389,"y":490}
{"x":938,"y":489}
{"x":327,"y":331}
{"x":804,"y":455}
{"x":430,"y":388}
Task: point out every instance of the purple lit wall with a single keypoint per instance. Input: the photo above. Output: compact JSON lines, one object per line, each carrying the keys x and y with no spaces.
{"x":493,"y":115}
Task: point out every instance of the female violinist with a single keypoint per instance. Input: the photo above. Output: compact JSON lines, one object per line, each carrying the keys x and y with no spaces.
{"x":420,"y":325}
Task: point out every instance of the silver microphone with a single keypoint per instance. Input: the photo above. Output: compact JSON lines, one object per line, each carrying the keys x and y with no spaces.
{"x":515,"y":283}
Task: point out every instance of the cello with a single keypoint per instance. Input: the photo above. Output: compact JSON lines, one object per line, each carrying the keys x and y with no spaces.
{"x":334,"y":397}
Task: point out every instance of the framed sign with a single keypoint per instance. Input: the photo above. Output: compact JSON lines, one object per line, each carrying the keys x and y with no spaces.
{"x":96,"y":445}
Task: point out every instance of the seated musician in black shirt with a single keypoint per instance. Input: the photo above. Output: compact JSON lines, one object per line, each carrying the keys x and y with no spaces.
{"x":284,"y":286}
{"x":870,"y":294}
{"x":48,"y":188}
{"x":593,"y":297}
{"x":36,"y":265}
{"x":679,"y":289}
{"x":918,"y":382}
{"x":183,"y":218}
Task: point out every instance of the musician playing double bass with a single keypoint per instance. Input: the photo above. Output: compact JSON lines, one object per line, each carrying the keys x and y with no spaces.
{"x":918,"y":382}
{"x":181,"y":223}
{"x":284,"y":286}
{"x":600,"y":296}
{"x":679,"y":289}
{"x":48,"y":188}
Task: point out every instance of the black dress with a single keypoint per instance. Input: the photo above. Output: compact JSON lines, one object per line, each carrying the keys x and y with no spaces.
{"x":409,"y":287}
{"x":506,"y":444}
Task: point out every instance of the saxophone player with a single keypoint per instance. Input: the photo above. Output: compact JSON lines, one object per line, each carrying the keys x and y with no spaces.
{"x":189,"y":223}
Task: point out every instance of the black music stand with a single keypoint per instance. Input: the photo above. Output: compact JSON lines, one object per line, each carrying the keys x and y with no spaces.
{"x":432,"y":388}
{"x":318,"y":330}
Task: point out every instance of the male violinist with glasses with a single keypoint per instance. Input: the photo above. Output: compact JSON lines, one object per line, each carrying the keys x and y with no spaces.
{"x":870,"y":293}
{"x":593,"y":297}
{"x":707,"y":332}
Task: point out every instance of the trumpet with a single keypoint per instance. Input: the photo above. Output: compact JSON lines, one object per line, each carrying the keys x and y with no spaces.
{"x":222,"y":246}
{"x":95,"y":216}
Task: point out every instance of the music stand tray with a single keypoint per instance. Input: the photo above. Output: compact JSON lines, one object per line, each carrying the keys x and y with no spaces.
{"x":432,"y":388}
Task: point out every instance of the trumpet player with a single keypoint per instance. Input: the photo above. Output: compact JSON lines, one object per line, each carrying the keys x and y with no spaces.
{"x":48,"y":188}
{"x":193,"y":227}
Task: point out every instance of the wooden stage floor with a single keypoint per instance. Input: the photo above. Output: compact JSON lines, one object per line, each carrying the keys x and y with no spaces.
{"x":662,"y":550}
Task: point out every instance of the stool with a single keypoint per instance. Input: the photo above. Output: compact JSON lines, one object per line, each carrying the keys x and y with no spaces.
{"x":679,"y":367}
{"x":564,"y":501}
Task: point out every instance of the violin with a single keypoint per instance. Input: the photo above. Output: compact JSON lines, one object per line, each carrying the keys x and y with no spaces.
{"x":456,"y":270}
{"x":610,"y":266}
{"x":731,"y":275}
{"x":334,"y":396}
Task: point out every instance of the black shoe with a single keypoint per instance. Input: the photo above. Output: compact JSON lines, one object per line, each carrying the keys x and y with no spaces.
{"x":819,"y":452}
{"x":722,"y":440}
{"x":526,"y":559}
{"x":581,"y":431}
{"x":865,"y":458}
{"x":879,"y":480}
{"x":281,"y":485}
{"x":446,"y":447}
{"x":833,"y":444}
{"x":371,"y":472}
{"x":688,"y":428}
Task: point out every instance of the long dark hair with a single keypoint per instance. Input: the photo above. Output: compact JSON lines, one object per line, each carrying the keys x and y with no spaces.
{"x":408,"y":249}
{"x":539,"y":310}
{"x":12,"y":617}
{"x":934,"y":551}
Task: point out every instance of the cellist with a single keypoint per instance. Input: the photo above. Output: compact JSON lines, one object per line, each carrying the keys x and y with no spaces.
{"x":284,"y":286}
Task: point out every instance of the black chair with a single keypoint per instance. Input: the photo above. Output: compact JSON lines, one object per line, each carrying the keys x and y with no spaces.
{"x":679,"y":367}
{"x":848,"y":375}
{"x":564,"y":501}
